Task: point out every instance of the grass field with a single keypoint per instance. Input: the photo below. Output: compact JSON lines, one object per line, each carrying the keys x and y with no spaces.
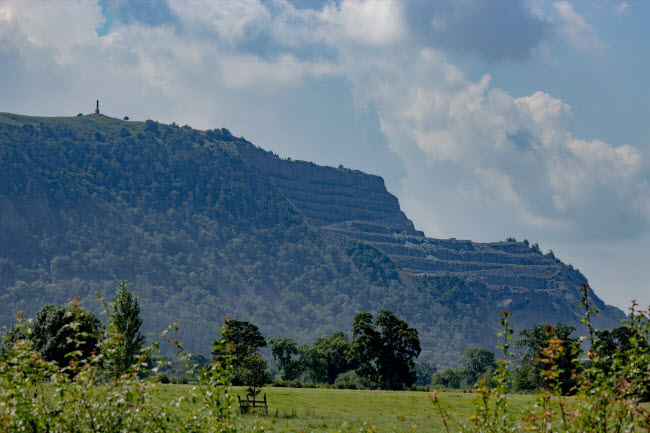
{"x":323,"y":410}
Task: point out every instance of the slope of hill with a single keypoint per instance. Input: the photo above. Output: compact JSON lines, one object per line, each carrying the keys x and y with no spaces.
{"x":205,"y":225}
{"x":515,"y":276}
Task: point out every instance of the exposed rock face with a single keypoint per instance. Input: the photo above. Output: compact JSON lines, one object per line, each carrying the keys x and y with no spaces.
{"x":344,"y":203}
{"x":327,"y":195}
{"x":537,"y":288}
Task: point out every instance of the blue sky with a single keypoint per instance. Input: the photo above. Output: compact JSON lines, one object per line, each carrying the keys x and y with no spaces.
{"x":488,"y":119}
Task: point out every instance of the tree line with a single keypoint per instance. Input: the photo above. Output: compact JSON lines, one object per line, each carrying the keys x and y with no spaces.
{"x":64,"y":334}
{"x":380,"y":354}
{"x":530,"y":364}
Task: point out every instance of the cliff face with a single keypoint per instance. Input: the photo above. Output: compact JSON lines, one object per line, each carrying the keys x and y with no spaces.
{"x":343,"y":203}
{"x":327,"y":195}
{"x":537,"y":288}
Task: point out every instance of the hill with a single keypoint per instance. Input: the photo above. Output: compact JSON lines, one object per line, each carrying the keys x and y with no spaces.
{"x":205,"y":225}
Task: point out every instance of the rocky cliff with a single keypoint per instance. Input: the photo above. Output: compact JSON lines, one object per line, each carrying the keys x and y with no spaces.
{"x":328,"y":195}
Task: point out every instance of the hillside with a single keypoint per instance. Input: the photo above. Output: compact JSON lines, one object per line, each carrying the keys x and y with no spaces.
{"x":205,"y":225}
{"x":348,"y":204}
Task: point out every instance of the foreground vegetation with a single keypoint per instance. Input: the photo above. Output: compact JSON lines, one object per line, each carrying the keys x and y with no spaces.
{"x":115,"y":389}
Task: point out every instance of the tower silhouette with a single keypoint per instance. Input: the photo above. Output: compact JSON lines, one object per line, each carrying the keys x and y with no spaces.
{"x":97,"y":109}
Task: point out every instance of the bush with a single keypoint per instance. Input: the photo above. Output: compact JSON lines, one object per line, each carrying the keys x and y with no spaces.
{"x":40,"y":395}
{"x":180,"y":380}
{"x":294,"y":383}
{"x":448,"y":378}
{"x":351,"y":380}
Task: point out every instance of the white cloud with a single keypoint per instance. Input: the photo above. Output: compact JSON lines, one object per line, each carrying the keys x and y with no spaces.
{"x":286,"y":70}
{"x":229,"y":20}
{"x":60,"y":26}
{"x":372,"y":22}
{"x":576,"y":30}
{"x":622,"y":8}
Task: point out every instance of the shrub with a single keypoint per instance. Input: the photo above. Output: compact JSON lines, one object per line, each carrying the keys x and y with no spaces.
{"x":351,"y":380}
{"x":448,"y":378}
{"x":39,"y":395}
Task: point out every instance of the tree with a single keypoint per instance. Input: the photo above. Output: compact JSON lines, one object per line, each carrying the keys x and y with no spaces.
{"x":617,"y":341}
{"x":252,"y":373}
{"x":285,"y":351}
{"x":125,"y":340}
{"x":386,"y":349}
{"x":623,"y":352}
{"x":477,"y":362}
{"x":424,"y":372}
{"x":60,"y":331}
{"x":449,"y":378}
{"x":244,"y":339}
{"x":336,"y":352}
{"x":528,"y":376}
{"x":328,"y":357}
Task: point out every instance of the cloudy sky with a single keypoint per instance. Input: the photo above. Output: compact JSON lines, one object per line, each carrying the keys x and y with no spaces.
{"x":488,"y":119}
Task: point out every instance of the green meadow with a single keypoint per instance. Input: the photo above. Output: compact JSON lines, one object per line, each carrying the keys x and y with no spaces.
{"x":324,"y":410}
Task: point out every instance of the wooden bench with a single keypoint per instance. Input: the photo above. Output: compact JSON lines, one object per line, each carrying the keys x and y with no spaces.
{"x":247,"y":404}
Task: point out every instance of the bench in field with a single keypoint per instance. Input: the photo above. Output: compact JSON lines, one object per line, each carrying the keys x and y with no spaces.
{"x":248,"y":404}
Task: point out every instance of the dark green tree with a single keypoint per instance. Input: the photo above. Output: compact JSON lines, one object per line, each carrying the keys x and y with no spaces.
{"x":252,"y":373}
{"x":60,"y":331}
{"x":448,"y":378}
{"x":125,"y":340}
{"x":336,"y":351}
{"x":477,"y":362}
{"x":424,"y":372}
{"x":616,"y":341}
{"x":245,"y":339}
{"x":386,"y":349}
{"x":528,"y":376}
{"x":328,"y":357}
{"x":285,"y":352}
{"x":617,"y":350}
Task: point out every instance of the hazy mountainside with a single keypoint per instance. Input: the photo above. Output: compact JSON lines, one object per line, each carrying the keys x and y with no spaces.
{"x":204,"y":225}
{"x":515,"y":276}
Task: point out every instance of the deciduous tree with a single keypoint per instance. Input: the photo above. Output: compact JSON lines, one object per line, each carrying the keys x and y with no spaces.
{"x":477,"y":362}
{"x":245,"y":339}
{"x":60,"y":331}
{"x":125,"y":342}
{"x":285,"y":352}
{"x":528,"y":375}
{"x":386,"y":349}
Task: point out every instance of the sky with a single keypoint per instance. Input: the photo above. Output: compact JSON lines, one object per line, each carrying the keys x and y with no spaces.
{"x":487,"y":119}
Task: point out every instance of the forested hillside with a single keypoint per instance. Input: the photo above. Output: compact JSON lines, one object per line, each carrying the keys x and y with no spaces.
{"x":203,"y":225}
